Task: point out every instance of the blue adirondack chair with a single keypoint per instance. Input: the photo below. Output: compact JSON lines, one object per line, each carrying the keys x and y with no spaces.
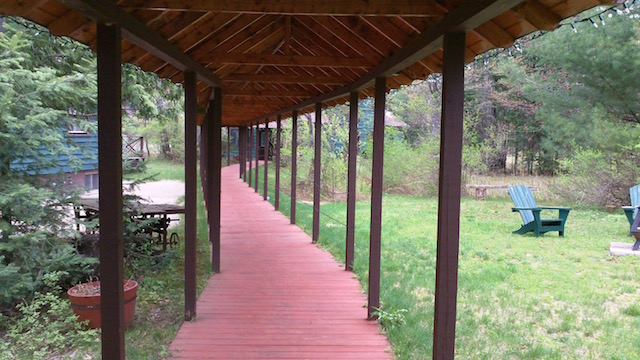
{"x":530,"y":212}
{"x":632,"y":211}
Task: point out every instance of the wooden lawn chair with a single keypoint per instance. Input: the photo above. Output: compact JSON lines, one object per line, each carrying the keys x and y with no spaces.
{"x":632,"y":211}
{"x":530,"y":212}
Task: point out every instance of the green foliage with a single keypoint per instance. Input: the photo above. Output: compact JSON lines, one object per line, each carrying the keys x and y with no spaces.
{"x":410,"y":169}
{"x":633,"y":310}
{"x":603,"y":173}
{"x":390,"y":319}
{"x":153,"y":108}
{"x":37,"y":98}
{"x":45,"y":326}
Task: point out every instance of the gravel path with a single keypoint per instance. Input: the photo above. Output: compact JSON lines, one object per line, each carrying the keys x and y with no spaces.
{"x":159,"y":192}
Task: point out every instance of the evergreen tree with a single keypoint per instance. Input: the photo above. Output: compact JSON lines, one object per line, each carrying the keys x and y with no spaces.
{"x":37,"y":100}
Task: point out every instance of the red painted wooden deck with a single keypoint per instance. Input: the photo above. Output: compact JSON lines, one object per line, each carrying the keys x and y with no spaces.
{"x":278,"y":296}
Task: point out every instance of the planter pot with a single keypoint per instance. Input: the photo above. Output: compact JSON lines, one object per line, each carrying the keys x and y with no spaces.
{"x":85,"y":302}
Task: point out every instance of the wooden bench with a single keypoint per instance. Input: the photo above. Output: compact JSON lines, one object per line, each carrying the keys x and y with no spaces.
{"x":481,"y":190}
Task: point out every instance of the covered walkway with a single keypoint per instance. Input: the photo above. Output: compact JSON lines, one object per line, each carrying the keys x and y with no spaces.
{"x":278,"y":296}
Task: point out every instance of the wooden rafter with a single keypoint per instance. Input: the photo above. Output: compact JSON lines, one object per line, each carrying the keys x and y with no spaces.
{"x":267,"y":93}
{"x":285,"y":79}
{"x":141,"y":35}
{"x":463,"y":18}
{"x":538,"y":15}
{"x":297,"y":7}
{"x":287,"y":60}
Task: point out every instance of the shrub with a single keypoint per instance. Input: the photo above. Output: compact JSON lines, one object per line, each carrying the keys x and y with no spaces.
{"x":46,"y":326}
{"x":596,"y":178}
{"x":410,"y":169}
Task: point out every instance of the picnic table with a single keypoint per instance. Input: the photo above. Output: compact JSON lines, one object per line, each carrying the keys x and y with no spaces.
{"x":89,"y":208}
{"x":481,"y":190}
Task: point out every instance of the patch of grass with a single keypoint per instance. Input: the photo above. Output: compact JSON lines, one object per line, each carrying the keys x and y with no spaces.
{"x":633,"y":310}
{"x":159,"y":169}
{"x":518,"y":296}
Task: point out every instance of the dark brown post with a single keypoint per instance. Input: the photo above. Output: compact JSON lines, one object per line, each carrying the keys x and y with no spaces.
{"x":266,"y":160}
{"x":351,"y":180}
{"x":110,"y":190}
{"x":444,"y":328}
{"x":376,"y":196}
{"x":276,"y":200}
{"x":204,"y":161}
{"x":250,"y":152}
{"x":255,"y":176}
{"x":242,"y":151}
{"x":213,"y":175}
{"x":317,"y":164}
{"x":228,"y":151}
{"x":294,"y":164}
{"x":190,"y":198}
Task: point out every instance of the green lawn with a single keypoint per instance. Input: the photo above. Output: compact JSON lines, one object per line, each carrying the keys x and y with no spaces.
{"x":159,"y":169}
{"x":518,"y":297}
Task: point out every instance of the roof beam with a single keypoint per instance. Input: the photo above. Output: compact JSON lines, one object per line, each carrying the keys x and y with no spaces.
{"x":287,"y":60}
{"x":266,"y":93}
{"x":538,"y":15}
{"x":141,"y":35}
{"x":296,"y":7}
{"x":466,"y":16}
{"x":285,"y":79}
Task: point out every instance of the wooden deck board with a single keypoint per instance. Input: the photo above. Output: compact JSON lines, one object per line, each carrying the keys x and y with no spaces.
{"x":278,"y":296}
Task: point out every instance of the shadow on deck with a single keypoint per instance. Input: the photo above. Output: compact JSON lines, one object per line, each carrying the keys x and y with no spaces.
{"x":278,"y":296}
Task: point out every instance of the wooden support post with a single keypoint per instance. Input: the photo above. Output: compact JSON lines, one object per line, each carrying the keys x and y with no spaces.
{"x":444,"y":328}
{"x":241,"y":150}
{"x":228,"y":146}
{"x":317,"y":165}
{"x":255,"y":176}
{"x":351,"y":181}
{"x":376,"y":196}
{"x":250,"y":162}
{"x":276,"y":200}
{"x":245,"y":149}
{"x":110,"y":190}
{"x":190,"y":191}
{"x":265,"y":153}
{"x":294,"y":164}
{"x":214,"y":174}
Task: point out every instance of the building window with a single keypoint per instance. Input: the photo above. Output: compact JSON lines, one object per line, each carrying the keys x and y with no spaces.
{"x":91,"y":181}
{"x":73,"y":129}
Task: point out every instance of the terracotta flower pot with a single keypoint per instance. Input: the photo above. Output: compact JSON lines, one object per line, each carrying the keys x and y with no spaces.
{"x":85,"y":302}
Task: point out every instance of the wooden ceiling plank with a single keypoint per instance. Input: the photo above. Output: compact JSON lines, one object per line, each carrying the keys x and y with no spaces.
{"x":241,"y":28}
{"x":388,"y":30}
{"x":197,"y":36}
{"x":140,"y":34}
{"x":18,"y":7}
{"x":284,"y":79}
{"x":462,"y":18}
{"x":538,"y":15}
{"x":267,"y":93}
{"x":204,"y":31}
{"x":360,"y":45}
{"x":312,"y":29}
{"x":67,"y":23}
{"x":495,"y":34}
{"x":287,"y":36}
{"x":297,"y":7}
{"x":284,"y":60}
{"x":266,"y":40}
{"x":366,"y":34}
{"x":170,"y":30}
